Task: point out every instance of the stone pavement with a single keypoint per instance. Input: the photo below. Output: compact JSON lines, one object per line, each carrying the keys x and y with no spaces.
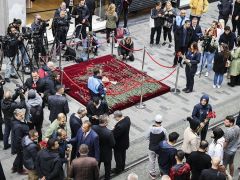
{"x":174,"y":108}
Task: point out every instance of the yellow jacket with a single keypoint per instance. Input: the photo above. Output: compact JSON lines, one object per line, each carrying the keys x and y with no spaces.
{"x":198,"y":7}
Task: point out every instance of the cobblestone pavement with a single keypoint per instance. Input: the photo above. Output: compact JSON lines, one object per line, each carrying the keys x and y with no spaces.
{"x":174,"y":108}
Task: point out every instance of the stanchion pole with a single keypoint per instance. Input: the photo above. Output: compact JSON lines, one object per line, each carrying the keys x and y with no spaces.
{"x":60,"y":62}
{"x":112,"y":42}
{"x":175,"y":90}
{"x":141,"y":105}
{"x":100,"y":11}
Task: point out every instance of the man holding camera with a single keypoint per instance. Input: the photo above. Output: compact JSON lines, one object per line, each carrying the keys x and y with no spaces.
{"x":8,"y":106}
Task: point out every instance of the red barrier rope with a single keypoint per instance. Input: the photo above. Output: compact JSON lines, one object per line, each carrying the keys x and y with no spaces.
{"x":158,"y":62}
{"x":126,"y":47}
{"x":71,"y":80}
{"x":168,"y":75}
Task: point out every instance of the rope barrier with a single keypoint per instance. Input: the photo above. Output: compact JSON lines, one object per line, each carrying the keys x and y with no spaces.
{"x":126,"y":47}
{"x":158,"y":62}
{"x":70,"y":80}
{"x":168,"y":75}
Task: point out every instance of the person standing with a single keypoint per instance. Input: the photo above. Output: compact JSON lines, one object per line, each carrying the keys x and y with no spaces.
{"x":76,"y":121}
{"x":81,"y":14}
{"x":121,"y":136}
{"x":200,"y":112}
{"x":19,"y":130}
{"x":84,"y":167}
{"x":2,"y":82}
{"x":227,"y":38}
{"x":91,"y":7}
{"x":166,"y":153}
{"x":155,"y":135}
{"x":122,"y":7}
{"x":199,"y":160}
{"x":198,"y":8}
{"x":225,"y":10}
{"x":231,"y":144}
{"x":106,"y":144}
{"x":112,"y":18}
{"x":220,"y":65}
{"x":213,"y":172}
{"x":196,"y":30}
{"x":157,"y":14}
{"x":86,"y":135}
{"x":191,"y":59}
{"x":30,"y":150}
{"x":57,"y":103}
{"x":48,"y":162}
{"x":236,"y":17}
{"x":169,"y":15}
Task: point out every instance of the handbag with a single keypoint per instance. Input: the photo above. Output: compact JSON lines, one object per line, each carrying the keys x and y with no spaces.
{"x":167,"y":24}
{"x":151,"y":21}
{"x":120,"y":33}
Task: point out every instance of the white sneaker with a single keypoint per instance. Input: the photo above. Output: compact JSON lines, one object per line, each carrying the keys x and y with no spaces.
{"x":197,"y":73}
{"x":108,"y":44}
{"x":218,"y":86}
{"x":214,"y":86}
{"x":116,"y":45}
{"x":206,"y":74}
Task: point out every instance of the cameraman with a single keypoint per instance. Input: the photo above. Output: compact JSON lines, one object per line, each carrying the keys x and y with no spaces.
{"x":62,"y":25}
{"x":8,"y":106}
{"x":209,"y":46}
{"x":17,"y":24}
{"x":11,"y":51}
{"x":38,"y":28}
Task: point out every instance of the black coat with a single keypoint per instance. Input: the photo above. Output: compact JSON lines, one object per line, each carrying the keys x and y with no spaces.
{"x":225,"y":8}
{"x":106,"y":142}
{"x":57,"y":104}
{"x":158,"y":21}
{"x":92,"y":111}
{"x":41,"y":85}
{"x":9,"y":105}
{"x":179,"y":38}
{"x":236,"y":10}
{"x":219,"y":63}
{"x":75,"y":124}
{"x":49,"y":164}
{"x":19,"y":130}
{"x":196,"y":34}
{"x":228,"y":39}
{"x":91,"y":6}
{"x":82,"y":12}
{"x":121,"y":134}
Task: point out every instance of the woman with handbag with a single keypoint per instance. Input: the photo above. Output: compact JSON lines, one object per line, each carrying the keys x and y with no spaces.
{"x":221,"y":63}
{"x":169,"y":15}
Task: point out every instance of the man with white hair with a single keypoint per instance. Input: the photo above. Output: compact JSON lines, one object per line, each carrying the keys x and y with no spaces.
{"x":47,"y":70}
{"x":132,"y":176}
{"x":155,"y":134}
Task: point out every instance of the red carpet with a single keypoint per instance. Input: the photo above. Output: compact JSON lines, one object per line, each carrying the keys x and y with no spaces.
{"x":119,"y":96}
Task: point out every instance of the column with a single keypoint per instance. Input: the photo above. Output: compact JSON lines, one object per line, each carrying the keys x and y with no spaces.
{"x":3,"y":16}
{"x":17,"y":9}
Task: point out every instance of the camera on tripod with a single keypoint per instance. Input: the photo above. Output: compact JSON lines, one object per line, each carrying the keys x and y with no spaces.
{"x":20,"y":89}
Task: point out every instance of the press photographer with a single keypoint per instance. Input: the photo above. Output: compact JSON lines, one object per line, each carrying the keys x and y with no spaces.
{"x":9,"y":104}
{"x":38,"y":28}
{"x":17,"y":25}
{"x":2,"y":82}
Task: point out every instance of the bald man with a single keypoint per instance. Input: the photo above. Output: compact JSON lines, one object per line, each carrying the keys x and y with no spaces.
{"x":213,"y":172}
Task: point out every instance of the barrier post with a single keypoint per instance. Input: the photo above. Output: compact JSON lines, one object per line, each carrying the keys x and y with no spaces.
{"x":175,"y":90}
{"x":100,"y":11}
{"x":112,"y":42}
{"x":60,"y":62}
{"x":141,"y":105}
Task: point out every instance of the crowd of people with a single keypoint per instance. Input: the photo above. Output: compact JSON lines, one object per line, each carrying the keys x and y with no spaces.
{"x":44,"y":153}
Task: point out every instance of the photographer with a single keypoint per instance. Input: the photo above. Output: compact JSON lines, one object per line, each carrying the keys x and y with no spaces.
{"x":209,"y":46}
{"x":125,"y":49}
{"x":2,"y":82}
{"x":8,"y":106}
{"x":38,"y":28}
{"x":17,"y":24}
{"x":11,"y":50}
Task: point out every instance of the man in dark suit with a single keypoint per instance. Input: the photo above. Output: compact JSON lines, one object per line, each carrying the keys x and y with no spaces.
{"x":95,"y":108}
{"x":91,"y":7}
{"x":196,"y":31}
{"x":121,"y":135}
{"x":86,"y":135}
{"x":84,"y":167}
{"x":106,"y":143}
{"x":57,"y":103}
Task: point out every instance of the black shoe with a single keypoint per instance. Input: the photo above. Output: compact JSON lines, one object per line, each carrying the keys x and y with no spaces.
{"x":7,"y":80}
{"x":14,"y":169}
{"x":169,"y":46}
{"x":185,"y":89}
{"x":116,"y":171}
{"x":230,"y":84}
{"x":7,"y":147}
{"x":14,"y":76}
{"x":188,"y":91}
{"x":164,"y":43}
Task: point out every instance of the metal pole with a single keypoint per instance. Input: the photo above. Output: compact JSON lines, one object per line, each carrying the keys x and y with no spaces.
{"x":141,"y":105}
{"x":100,"y":11}
{"x":60,"y":62}
{"x":176,"y":90}
{"x":112,"y":41}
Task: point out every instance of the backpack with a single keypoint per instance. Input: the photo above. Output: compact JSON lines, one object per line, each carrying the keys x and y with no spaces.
{"x":36,"y":114}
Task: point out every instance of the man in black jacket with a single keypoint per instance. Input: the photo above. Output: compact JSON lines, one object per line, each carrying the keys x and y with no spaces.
{"x":57,"y":103}
{"x":48,"y":162}
{"x":30,"y":149}
{"x":91,"y":7}
{"x":8,"y":106}
{"x":121,"y":136}
{"x":228,"y":38}
{"x":225,"y":10}
{"x":106,"y":144}
{"x":2,"y":82}
{"x":236,"y":17}
{"x":81,"y":15}
{"x":122,"y":6}
{"x":95,"y":108}
{"x":196,"y":30}
{"x":19,"y":130}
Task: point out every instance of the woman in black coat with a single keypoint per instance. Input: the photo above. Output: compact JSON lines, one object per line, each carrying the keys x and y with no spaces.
{"x":219,"y":66}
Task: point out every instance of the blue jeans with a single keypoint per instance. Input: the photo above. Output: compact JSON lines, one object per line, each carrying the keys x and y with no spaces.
{"x":9,"y":70}
{"x":24,"y":55}
{"x":6,"y":134}
{"x":218,"y":79}
{"x":207,"y":59}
